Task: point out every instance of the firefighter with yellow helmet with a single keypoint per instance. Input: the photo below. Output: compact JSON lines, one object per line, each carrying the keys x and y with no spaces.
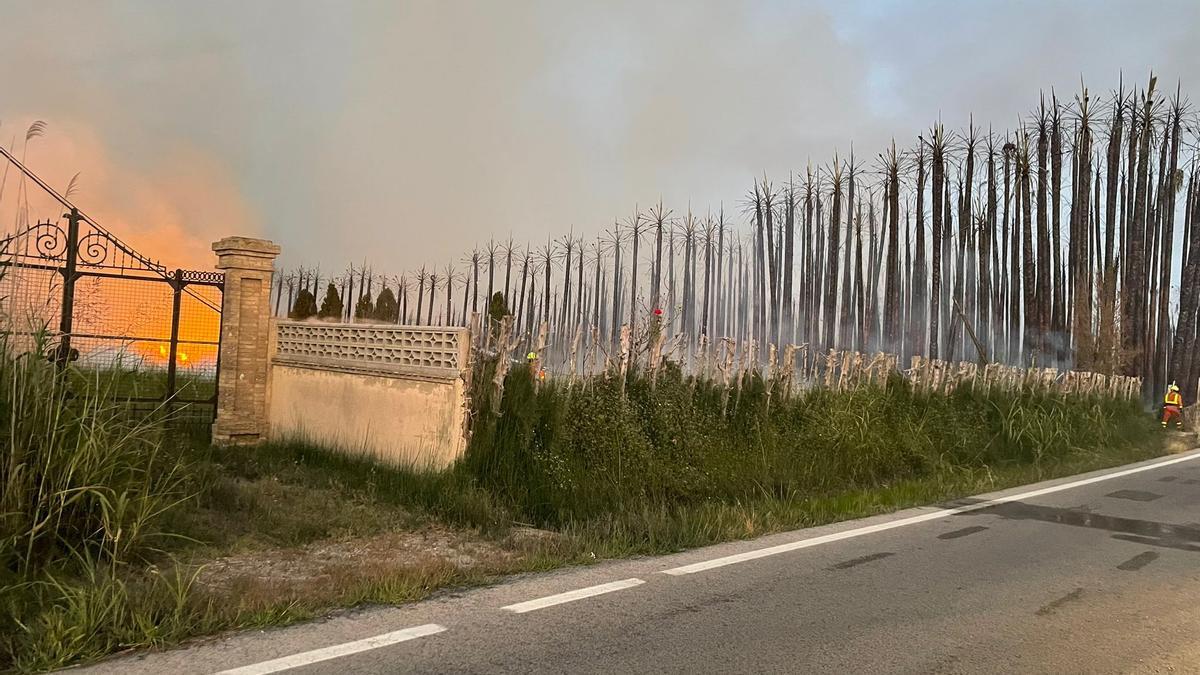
{"x":1173,"y":407}
{"x":535,"y":365}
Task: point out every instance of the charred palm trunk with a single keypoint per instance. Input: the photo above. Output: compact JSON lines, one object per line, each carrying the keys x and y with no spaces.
{"x":819,"y":278}
{"x":1082,"y":336}
{"x":1058,"y":311}
{"x":463,"y":315}
{"x":615,"y":325}
{"x":759,"y":275}
{"x":671,"y":315}
{"x":847,"y":309}
{"x":891,"y":285}
{"x":772,"y":266}
{"x":721,"y":290}
{"x":935,"y":294}
{"x":708,"y":260}
{"x":810,"y":289}
{"x":579,"y":295}
{"x":987,"y":235}
{"x":1154,"y":365}
{"x":1029,"y":305}
{"x":565,"y":327}
{"x":1007,"y":258}
{"x":1163,"y":356}
{"x":636,"y":228}
{"x":954,"y":314}
{"x":874,"y":271}
{"x":689,"y":240}
{"x":909,"y":345}
{"x":1015,"y":329}
{"x":1134,"y":298}
{"x":860,"y":311}
{"x":918,"y":315}
{"x":789,"y":234}
{"x":1128,"y":189}
{"x":1042,"y":290}
{"x":432,"y":291}
{"x":831,"y":273}
{"x":421,"y":279}
{"x":1187,"y":365}
{"x":967,"y":225}
{"x":475,"y":285}
{"x":660,"y":217}
{"x":508,"y":256}
{"x":1106,"y":349}
{"x":524,"y":279}
{"x":491,"y":251}
{"x":598,"y":285}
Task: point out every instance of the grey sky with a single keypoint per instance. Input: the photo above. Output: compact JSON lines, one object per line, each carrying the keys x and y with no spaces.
{"x":405,"y":132}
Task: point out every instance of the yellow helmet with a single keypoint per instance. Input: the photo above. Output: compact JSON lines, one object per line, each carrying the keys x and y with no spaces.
{"x":531,"y":356}
{"x":1173,"y":387}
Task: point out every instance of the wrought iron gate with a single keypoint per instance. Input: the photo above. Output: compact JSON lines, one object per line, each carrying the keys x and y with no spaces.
{"x":114,"y":317}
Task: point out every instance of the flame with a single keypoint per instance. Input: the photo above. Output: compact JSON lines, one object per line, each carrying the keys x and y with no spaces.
{"x":180,"y":355}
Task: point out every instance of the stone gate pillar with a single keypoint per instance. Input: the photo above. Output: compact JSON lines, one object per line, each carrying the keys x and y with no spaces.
{"x":245,"y":340}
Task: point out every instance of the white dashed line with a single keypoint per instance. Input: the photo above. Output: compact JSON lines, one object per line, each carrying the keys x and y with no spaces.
{"x":336,"y":651}
{"x":572,"y":596}
{"x":386,"y":639}
{"x":913,"y":520}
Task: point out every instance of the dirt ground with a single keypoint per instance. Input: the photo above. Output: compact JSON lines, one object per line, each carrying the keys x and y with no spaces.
{"x":329,"y":564}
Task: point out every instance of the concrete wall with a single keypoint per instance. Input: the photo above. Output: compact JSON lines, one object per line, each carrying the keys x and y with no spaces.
{"x":395,"y":393}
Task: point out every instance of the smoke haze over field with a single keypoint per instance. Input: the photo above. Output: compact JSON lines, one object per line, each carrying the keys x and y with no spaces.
{"x":406,"y":132}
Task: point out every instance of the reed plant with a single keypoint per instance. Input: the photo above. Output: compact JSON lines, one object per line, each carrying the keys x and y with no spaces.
{"x":84,"y":488}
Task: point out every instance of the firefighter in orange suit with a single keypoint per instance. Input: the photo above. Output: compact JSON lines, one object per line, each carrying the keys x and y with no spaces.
{"x":1173,"y":407}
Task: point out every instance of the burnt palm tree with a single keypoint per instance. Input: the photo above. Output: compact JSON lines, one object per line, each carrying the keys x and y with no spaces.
{"x":891,"y":285}
{"x":937,"y":149}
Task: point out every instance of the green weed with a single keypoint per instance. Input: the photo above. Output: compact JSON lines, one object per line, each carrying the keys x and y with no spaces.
{"x":559,"y":455}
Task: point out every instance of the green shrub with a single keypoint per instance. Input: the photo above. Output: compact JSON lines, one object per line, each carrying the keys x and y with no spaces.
{"x":331,"y":304}
{"x":305,"y":306}
{"x":386,"y":307}
{"x":560,"y":454}
{"x":364,"y":308}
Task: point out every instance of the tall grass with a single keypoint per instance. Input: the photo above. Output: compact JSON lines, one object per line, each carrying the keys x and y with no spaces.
{"x":81,"y":477}
{"x":563,"y":454}
{"x":84,"y":486}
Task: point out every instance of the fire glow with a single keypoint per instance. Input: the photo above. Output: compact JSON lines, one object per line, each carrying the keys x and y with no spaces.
{"x":181,"y":356}
{"x":116,"y":319}
{"x":137,"y":314}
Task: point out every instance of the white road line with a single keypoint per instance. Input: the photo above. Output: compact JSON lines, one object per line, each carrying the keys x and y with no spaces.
{"x":913,"y":520}
{"x":336,"y":651}
{"x":572,"y":596}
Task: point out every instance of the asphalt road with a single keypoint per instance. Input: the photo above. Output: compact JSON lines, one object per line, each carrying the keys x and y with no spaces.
{"x":1092,"y":574}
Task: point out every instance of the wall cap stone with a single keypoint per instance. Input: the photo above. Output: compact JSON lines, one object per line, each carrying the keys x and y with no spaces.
{"x":261,"y":248}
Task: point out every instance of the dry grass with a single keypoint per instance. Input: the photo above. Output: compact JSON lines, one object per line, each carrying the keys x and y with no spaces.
{"x":268,"y":537}
{"x":287,"y":528}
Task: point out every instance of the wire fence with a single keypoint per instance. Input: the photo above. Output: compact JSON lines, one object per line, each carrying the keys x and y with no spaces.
{"x":111,"y":316}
